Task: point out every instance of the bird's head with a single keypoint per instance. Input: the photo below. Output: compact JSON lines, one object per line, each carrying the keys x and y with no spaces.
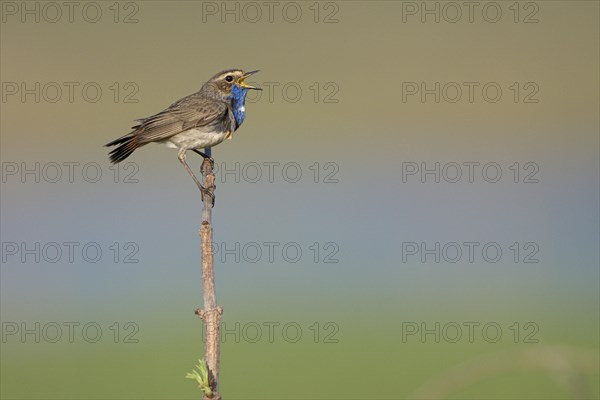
{"x":223,"y":82}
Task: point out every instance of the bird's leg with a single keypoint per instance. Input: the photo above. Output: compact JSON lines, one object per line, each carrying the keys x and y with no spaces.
{"x":203,"y":190}
{"x":204,"y":155}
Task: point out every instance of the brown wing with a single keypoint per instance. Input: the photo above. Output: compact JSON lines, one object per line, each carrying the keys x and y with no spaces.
{"x":189,"y":112}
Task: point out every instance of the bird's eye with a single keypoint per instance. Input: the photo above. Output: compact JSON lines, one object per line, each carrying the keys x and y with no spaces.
{"x":229,"y":78}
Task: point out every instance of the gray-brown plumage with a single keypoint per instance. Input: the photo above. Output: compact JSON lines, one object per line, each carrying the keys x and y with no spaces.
{"x":198,"y":121}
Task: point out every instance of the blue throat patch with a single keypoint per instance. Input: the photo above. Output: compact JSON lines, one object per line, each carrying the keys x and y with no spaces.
{"x":239,"y":104}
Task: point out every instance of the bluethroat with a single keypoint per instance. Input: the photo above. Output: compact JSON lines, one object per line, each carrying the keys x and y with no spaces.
{"x":198,"y":121}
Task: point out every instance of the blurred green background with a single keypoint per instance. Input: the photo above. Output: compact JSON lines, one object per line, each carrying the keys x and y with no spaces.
{"x":353,"y":62}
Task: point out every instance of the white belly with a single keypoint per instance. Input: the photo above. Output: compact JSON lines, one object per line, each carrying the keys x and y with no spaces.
{"x":195,"y":139}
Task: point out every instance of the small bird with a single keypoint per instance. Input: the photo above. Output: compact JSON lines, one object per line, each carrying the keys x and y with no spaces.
{"x":198,"y":121}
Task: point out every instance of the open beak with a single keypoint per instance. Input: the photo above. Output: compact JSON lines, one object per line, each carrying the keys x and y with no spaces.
{"x":245,"y":85}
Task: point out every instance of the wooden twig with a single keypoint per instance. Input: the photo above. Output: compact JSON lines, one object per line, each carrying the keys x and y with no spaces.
{"x":211,"y":313}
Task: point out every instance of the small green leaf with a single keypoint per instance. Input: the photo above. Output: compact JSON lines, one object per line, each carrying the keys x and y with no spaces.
{"x":201,"y":378}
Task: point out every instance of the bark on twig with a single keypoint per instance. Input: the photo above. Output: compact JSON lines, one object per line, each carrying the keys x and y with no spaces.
{"x":211,"y":313}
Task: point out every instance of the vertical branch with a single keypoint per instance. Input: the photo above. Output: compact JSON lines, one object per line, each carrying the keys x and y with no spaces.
{"x":211,"y":313}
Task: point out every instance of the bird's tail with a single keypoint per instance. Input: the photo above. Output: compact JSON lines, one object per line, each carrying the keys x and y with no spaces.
{"x":127,"y":144}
